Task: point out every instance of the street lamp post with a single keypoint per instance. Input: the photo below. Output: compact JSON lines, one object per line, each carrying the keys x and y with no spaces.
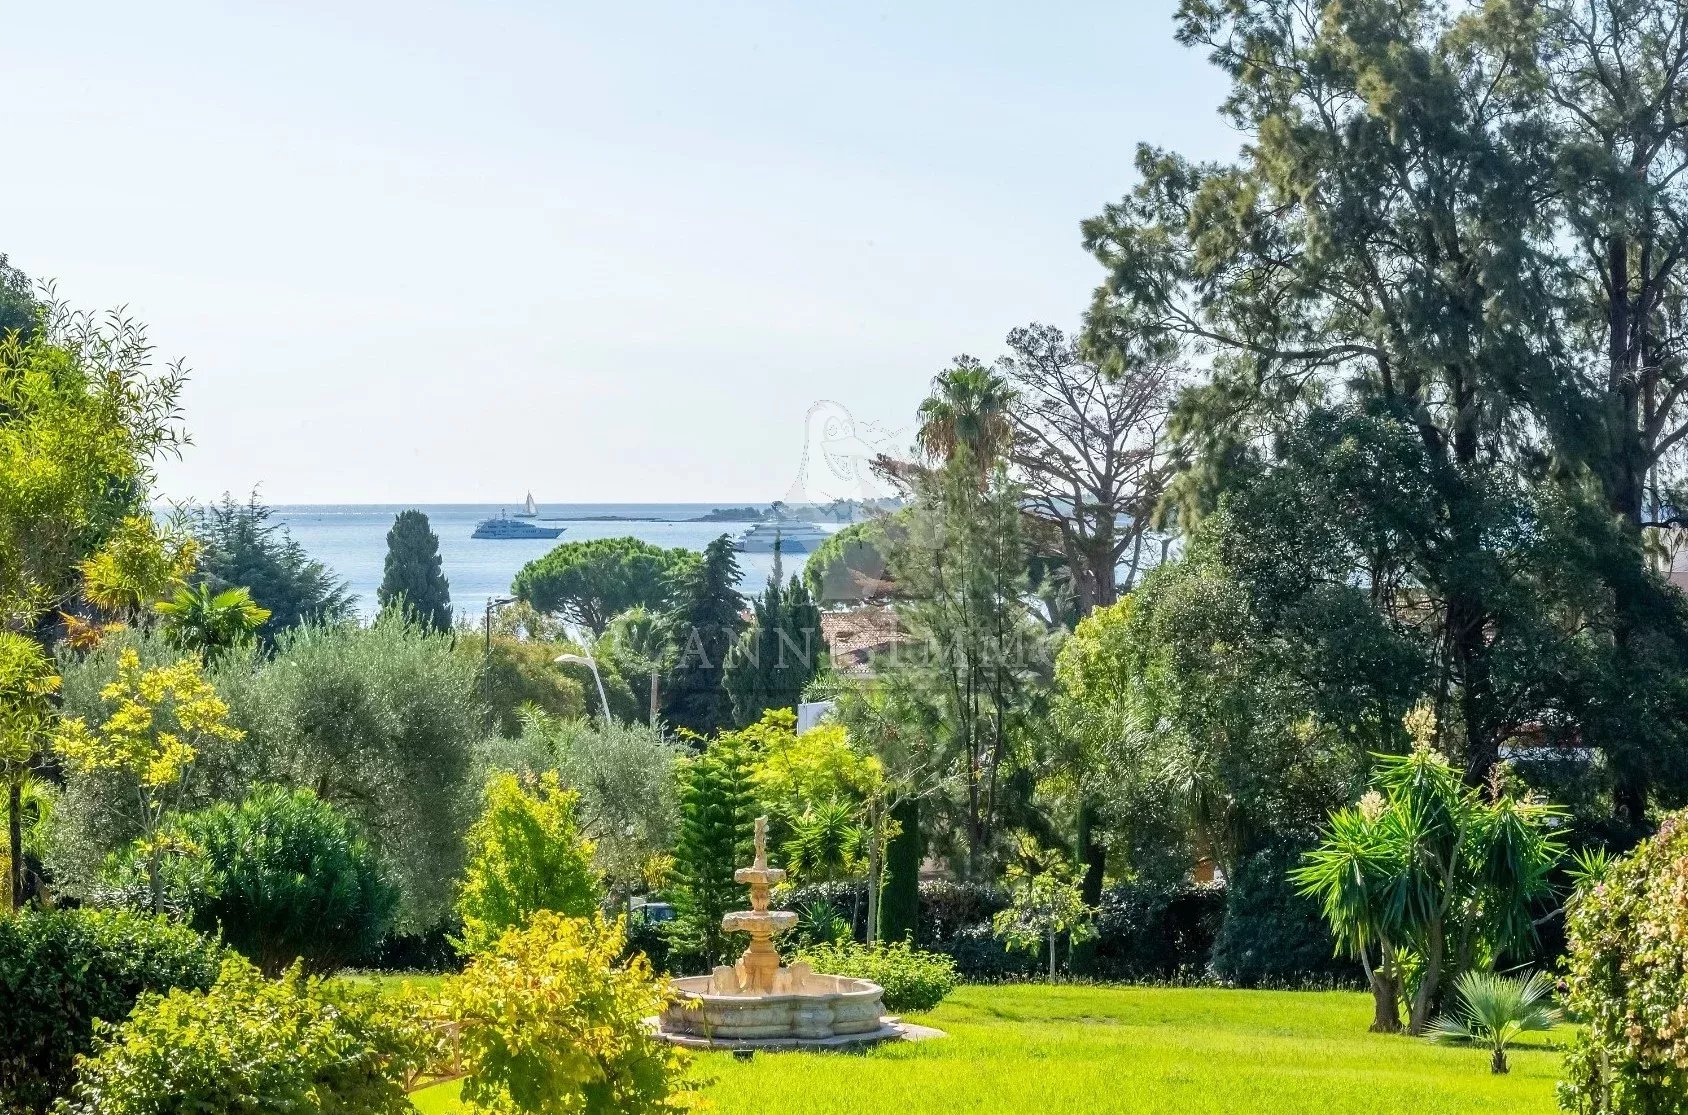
{"x":591,"y":663}
{"x":492,"y":602}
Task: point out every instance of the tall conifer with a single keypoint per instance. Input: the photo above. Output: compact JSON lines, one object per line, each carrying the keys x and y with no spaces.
{"x":413,"y":580}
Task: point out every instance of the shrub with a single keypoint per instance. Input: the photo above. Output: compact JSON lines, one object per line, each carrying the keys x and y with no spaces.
{"x":296,"y":1046}
{"x":1146,"y":932}
{"x":913,"y":979}
{"x":62,"y":969}
{"x":552,"y":1024}
{"x":526,"y":855}
{"x":284,"y":877}
{"x":1273,"y":935}
{"x":1628,"y":976}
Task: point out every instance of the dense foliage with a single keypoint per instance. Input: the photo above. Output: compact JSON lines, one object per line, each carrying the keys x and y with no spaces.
{"x":28,"y":684}
{"x":295,"y":1046}
{"x":160,"y":721}
{"x":521,"y":676}
{"x":627,"y":796}
{"x":914,"y":980}
{"x":778,"y":655}
{"x":553,"y":1024}
{"x":85,"y":419}
{"x":526,"y":854}
{"x":60,"y":970}
{"x":381,"y":723}
{"x":283,"y":877}
{"x":851,"y":564}
{"x":1628,"y":975}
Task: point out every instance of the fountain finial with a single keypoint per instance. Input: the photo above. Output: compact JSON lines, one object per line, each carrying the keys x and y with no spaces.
{"x":762,"y":842}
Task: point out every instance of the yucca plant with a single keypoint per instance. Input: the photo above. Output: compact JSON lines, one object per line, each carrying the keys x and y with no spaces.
{"x":1494,"y":1010}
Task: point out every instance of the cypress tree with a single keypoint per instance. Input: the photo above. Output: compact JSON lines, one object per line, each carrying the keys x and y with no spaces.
{"x":413,"y":581}
{"x":706,"y":626}
{"x":899,"y":902}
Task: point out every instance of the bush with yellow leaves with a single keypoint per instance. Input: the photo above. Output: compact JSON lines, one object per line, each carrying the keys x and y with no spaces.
{"x":552,"y":1024}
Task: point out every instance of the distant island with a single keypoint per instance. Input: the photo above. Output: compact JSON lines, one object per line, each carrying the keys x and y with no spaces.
{"x":733,"y":515}
{"x":838,"y":511}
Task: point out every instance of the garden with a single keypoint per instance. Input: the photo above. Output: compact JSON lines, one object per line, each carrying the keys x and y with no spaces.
{"x":1272,"y":698}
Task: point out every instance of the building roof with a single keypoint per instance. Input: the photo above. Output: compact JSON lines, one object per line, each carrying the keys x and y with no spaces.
{"x":854,"y":635}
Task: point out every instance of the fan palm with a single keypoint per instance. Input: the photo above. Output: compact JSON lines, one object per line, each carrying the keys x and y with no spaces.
{"x":199,"y":620}
{"x":1494,"y":1010}
{"x":969,"y":406}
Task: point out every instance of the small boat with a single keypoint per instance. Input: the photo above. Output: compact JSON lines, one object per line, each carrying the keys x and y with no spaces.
{"x":530,"y":510}
{"x":507,"y":527}
{"x":786,"y":535}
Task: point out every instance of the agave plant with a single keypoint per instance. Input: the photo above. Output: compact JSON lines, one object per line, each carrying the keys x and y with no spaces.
{"x":1494,"y":1010}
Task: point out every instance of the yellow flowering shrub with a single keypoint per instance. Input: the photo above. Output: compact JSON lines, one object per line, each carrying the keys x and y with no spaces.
{"x":552,"y":1024}
{"x":161,"y":719}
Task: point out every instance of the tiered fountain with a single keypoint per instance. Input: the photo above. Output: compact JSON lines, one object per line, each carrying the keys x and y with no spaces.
{"x":759,"y":1004}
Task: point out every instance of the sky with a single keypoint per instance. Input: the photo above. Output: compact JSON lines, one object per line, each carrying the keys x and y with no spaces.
{"x":449,"y":252}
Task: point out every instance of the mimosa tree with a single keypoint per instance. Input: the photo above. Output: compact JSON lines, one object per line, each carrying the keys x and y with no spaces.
{"x":162,"y":719}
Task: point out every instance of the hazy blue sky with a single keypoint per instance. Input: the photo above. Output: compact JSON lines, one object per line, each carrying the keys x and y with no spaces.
{"x":430,"y":252}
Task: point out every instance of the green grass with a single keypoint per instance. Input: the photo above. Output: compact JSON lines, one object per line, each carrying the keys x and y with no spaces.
{"x":1050,"y":1051}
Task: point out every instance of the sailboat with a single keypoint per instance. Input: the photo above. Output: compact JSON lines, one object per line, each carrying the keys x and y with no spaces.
{"x":530,"y":510}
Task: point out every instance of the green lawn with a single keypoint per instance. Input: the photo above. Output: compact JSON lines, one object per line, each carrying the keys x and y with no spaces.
{"x":1048,"y":1051}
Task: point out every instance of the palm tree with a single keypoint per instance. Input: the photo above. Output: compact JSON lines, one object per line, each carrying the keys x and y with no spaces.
{"x":1494,"y":1010}
{"x":825,"y":843}
{"x":968,"y":407}
{"x":208,"y":623}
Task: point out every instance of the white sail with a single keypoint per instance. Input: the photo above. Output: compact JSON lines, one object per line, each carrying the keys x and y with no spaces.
{"x":529,"y":508}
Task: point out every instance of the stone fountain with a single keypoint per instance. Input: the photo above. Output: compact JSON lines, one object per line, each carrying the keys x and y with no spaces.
{"x":760,"y":1004}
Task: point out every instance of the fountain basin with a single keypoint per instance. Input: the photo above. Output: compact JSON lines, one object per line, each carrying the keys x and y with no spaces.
{"x":815,"y":1008}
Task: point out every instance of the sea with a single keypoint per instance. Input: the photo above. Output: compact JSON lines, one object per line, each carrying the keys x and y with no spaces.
{"x":351,"y":540}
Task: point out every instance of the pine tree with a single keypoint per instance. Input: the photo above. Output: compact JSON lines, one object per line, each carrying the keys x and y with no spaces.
{"x":717,"y":830}
{"x":413,"y":581}
{"x":780,"y":653}
{"x":706,"y":626}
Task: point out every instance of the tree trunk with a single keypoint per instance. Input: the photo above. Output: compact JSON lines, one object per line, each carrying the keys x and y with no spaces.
{"x":155,"y":882}
{"x":1419,"y":1018}
{"x":1497,"y":1064}
{"x":1386,"y":994}
{"x":1386,"y":1005}
{"x":14,"y":825}
{"x":1052,"y":956}
{"x":874,"y":869}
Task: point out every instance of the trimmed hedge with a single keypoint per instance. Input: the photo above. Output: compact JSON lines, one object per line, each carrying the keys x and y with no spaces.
{"x":62,"y":969}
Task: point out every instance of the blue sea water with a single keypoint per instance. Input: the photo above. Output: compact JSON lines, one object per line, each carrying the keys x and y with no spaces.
{"x":351,"y":539}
